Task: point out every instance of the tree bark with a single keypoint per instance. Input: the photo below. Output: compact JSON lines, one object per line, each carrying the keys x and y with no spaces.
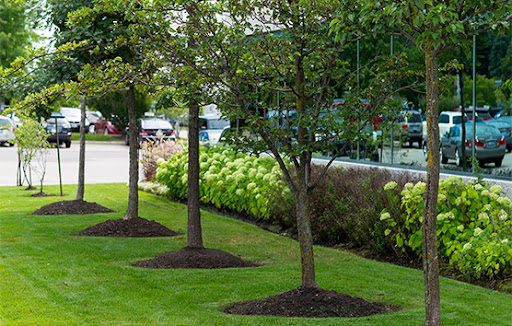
{"x":305,"y":240}
{"x":194,"y":231}
{"x":81,"y":160}
{"x":463,"y":123}
{"x":133,"y":139}
{"x":430,"y":258}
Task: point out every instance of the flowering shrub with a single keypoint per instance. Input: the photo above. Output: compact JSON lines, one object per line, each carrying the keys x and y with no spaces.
{"x":474,"y":225}
{"x":152,"y":151}
{"x":228,"y":179}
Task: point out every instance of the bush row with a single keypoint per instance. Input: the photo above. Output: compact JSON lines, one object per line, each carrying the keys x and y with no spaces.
{"x":474,"y":225}
{"x":240,"y":182}
{"x":372,"y":209}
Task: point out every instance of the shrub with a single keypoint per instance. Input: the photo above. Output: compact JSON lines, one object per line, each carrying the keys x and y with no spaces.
{"x":152,"y":151}
{"x":228,"y":179}
{"x":473,"y":225}
{"x":345,"y":208}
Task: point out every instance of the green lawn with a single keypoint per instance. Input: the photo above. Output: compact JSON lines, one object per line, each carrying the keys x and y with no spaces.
{"x":50,"y":277}
{"x":96,"y":137}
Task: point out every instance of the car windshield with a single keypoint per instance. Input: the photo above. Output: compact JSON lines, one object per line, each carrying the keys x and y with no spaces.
{"x":60,"y":121}
{"x":213,"y":123}
{"x":482,"y":130}
{"x":414,"y":117}
{"x":156,"y":124}
{"x":458,"y":119}
{"x":4,"y":123}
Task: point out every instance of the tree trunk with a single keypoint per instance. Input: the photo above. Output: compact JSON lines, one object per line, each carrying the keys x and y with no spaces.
{"x":305,"y":239}
{"x":81,"y":161}
{"x":194,"y":231}
{"x":133,"y":139}
{"x":463,"y":123}
{"x":430,"y":258}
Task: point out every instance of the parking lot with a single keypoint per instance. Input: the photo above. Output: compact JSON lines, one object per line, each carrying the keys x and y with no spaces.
{"x":105,"y":163}
{"x":415,"y":156}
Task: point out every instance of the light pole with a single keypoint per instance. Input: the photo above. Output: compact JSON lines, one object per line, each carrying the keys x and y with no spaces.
{"x":392,"y":52}
{"x":473,"y":149}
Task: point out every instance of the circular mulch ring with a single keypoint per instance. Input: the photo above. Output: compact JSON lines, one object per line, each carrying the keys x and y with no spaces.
{"x":40,"y":195}
{"x":309,"y":302}
{"x":71,"y":207}
{"x":133,"y":227}
{"x":195,"y":258}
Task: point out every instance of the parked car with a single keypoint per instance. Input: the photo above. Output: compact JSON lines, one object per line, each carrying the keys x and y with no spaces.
{"x":411,"y":127}
{"x":6,"y":131}
{"x":58,"y":124}
{"x":93,"y":117}
{"x":73,"y":115}
{"x":210,"y":136}
{"x":105,"y":127}
{"x":505,"y":127}
{"x":213,"y":122}
{"x":151,"y":129}
{"x":490,"y":145}
{"x":447,"y":120}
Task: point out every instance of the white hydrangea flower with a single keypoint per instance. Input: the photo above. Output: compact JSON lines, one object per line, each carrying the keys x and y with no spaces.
{"x":466,"y":246}
{"x":496,"y":189}
{"x":390,"y":185}
{"x":477,"y":232}
{"x":385,"y":216}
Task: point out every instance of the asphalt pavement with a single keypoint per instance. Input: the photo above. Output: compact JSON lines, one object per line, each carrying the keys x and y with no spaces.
{"x":105,"y":163}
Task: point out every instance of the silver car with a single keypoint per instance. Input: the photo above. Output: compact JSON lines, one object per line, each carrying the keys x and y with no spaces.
{"x":505,"y":127}
{"x":6,"y":131}
{"x":490,"y":145}
{"x":411,"y":126}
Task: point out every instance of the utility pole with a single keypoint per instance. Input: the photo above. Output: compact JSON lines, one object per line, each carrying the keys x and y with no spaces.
{"x":474,"y":103}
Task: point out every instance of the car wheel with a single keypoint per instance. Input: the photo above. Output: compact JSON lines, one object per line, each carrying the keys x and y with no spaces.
{"x":420,"y":144}
{"x":444,"y":159}
{"x":499,"y":162}
{"x":11,"y":144}
{"x":68,"y":144}
{"x":458,"y":160}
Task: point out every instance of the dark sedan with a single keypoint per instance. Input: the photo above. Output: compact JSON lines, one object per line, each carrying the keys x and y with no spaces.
{"x":58,"y":127}
{"x":490,"y":145}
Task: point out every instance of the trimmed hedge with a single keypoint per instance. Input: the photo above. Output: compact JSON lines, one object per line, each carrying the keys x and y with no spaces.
{"x":240,"y":182}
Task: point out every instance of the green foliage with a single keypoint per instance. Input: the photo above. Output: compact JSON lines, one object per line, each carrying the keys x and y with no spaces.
{"x":236,"y":181}
{"x":474,"y":225}
{"x":31,"y":139}
{"x":14,"y":32}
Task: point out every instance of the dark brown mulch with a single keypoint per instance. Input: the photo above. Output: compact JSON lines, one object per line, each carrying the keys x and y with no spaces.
{"x":71,"y":207}
{"x":309,"y":302}
{"x":40,"y":194}
{"x":195,"y":258}
{"x":133,"y":227}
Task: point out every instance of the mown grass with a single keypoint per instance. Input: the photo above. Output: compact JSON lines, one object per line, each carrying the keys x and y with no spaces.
{"x":96,"y":137}
{"x":50,"y":277}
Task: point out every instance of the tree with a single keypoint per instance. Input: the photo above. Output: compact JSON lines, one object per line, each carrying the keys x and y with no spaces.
{"x":432,"y":26}
{"x":32,"y":142}
{"x":260,"y":48}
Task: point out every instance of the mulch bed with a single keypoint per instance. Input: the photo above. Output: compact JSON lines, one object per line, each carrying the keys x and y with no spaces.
{"x":40,"y":194}
{"x":195,"y":258}
{"x":133,"y":227}
{"x":309,"y":302}
{"x":71,"y":207}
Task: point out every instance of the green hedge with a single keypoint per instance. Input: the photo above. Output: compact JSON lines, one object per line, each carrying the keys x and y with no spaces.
{"x":474,"y":225}
{"x":230,"y":180}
